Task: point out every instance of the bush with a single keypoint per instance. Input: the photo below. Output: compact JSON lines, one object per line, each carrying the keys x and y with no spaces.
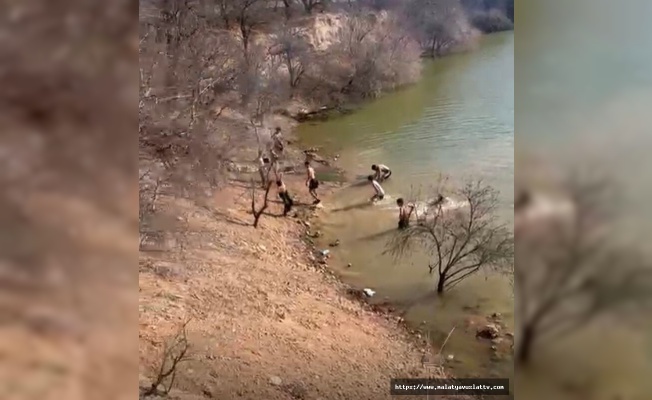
{"x":492,"y":21}
{"x":373,"y":54}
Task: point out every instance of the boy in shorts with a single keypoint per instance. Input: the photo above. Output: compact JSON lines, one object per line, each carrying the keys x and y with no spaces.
{"x":312,"y":182}
{"x":284,"y":196}
{"x":404,"y":213}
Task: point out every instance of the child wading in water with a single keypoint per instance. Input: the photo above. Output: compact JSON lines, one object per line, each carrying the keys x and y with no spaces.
{"x":382,"y":172}
{"x":379,"y":192}
{"x":284,"y":196}
{"x":312,"y":182}
{"x":404,"y":213}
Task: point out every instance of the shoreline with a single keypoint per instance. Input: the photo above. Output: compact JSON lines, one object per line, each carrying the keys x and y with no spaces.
{"x":476,"y":324}
{"x":304,"y":113}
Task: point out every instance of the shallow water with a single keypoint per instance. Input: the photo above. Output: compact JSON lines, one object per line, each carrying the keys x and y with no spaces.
{"x":457,"y":121}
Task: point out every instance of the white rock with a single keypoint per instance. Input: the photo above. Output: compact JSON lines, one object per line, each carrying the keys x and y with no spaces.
{"x":368,"y":292}
{"x":275,"y":380}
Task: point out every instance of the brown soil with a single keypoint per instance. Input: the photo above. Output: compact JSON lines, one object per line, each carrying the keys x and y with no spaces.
{"x":261,"y":309}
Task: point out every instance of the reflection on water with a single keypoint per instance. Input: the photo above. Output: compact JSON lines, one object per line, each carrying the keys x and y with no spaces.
{"x":457,"y":121}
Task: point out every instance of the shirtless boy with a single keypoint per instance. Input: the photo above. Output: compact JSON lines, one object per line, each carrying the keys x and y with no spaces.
{"x":404,"y":213}
{"x":382,"y":172}
{"x":277,"y":142}
{"x":284,"y":196}
{"x":379,"y":192}
{"x":263,"y":168}
{"x":312,"y":182}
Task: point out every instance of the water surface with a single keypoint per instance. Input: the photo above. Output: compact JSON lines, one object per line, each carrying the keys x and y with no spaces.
{"x":458,"y":121}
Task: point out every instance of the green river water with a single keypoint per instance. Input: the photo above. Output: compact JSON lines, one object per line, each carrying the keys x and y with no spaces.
{"x":583,"y":90}
{"x":458,"y":121}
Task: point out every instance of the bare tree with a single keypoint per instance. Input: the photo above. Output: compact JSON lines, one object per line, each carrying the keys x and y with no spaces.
{"x":262,"y":85}
{"x":287,"y":4}
{"x":247,"y":15}
{"x":293,"y":51}
{"x":226,"y":9}
{"x":309,"y":5}
{"x":187,"y":70}
{"x":287,"y":7}
{"x":570,"y":268}
{"x":258,"y":212}
{"x":148,"y":196}
{"x":174,"y":353}
{"x":491,"y":21}
{"x":373,"y":54}
{"x":460,"y":241}
{"x":440,"y":25}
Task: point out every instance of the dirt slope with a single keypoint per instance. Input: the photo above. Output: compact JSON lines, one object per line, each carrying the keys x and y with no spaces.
{"x":266,"y":323}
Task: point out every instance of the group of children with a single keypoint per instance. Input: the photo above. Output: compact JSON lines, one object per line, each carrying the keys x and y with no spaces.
{"x":268,"y":163}
{"x":381,"y":173}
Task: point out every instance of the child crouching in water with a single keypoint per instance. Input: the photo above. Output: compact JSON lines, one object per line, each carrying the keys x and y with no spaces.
{"x":404,"y":213}
{"x":284,"y":196}
{"x":379,"y":193}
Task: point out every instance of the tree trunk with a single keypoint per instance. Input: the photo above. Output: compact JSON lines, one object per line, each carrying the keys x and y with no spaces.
{"x":524,"y":348}
{"x":288,"y":7}
{"x":440,"y":284}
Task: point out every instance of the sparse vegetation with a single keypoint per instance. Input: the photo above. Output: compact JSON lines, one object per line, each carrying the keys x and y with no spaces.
{"x":378,"y":54}
{"x":491,"y":21}
{"x":257,"y":212}
{"x":459,"y":241}
{"x":440,"y":26}
{"x":174,"y":353}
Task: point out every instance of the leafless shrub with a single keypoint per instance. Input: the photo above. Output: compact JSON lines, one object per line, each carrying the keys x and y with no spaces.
{"x":372,"y":54}
{"x":440,"y":26}
{"x":248,"y":17}
{"x":258,"y":212}
{"x":174,"y":353}
{"x":293,"y":51}
{"x":310,"y":5}
{"x":460,"y":241}
{"x":188,"y":70}
{"x":491,"y":21}
{"x":570,"y":267}
{"x":148,"y":196}
{"x":262,"y":85}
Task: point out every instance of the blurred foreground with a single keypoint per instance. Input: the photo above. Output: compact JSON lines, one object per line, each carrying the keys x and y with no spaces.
{"x":583,"y":278}
{"x":68,"y":206}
